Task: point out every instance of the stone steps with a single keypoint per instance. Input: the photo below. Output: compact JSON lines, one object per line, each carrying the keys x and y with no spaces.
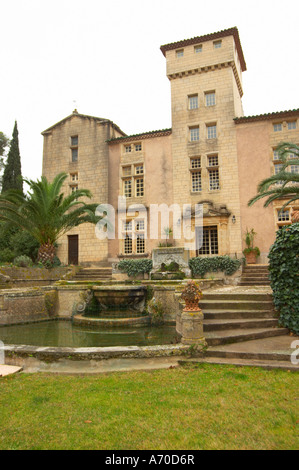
{"x":213,"y":325}
{"x":226,"y":314}
{"x":93,"y":274}
{"x":238,"y":316}
{"x":265,"y":364}
{"x":215,"y":338}
{"x":207,"y":304}
{"x":255,"y":276}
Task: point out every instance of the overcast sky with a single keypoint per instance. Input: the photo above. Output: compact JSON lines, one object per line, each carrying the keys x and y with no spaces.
{"x":105,"y":56}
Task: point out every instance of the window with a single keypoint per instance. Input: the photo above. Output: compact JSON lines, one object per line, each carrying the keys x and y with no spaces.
{"x":139,"y":170}
{"x":134,"y":236}
{"x":194,"y":133}
{"x":214,"y":180}
{"x":74,"y":141}
{"x":196,"y":181}
{"x":292,"y":125}
{"x":127,"y":171}
{"x":209,"y":241}
{"x":138,"y":147}
{"x":193,"y":101}
{"x":210,"y":98}
{"x":127,"y":188}
{"x":139,"y":187}
{"x":276,"y":155}
{"x":74,"y":176}
{"x":128,"y":148}
{"x":180,"y":53}
{"x":212,"y":131}
{"x":133,"y":180}
{"x":74,"y":148}
{"x":294,"y":169}
{"x":196,"y":162}
{"x":74,"y":155}
{"x":283,"y":216}
{"x":217,"y":44}
{"x":128,"y":245}
{"x":277,"y":127}
{"x":74,"y":188}
{"x":213,"y":160}
{"x":198,"y":49}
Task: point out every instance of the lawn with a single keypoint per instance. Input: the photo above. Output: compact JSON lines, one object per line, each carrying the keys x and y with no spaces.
{"x":193,"y":407}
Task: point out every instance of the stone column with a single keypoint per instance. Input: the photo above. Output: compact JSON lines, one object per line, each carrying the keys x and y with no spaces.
{"x":191,"y":319}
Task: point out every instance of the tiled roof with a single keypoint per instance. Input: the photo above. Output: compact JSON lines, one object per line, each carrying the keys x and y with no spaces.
{"x":268,"y":116}
{"x":209,"y":37}
{"x":144,"y":135}
{"x":84,"y":116}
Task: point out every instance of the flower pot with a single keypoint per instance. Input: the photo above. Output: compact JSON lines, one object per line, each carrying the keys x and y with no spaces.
{"x":251,"y":257}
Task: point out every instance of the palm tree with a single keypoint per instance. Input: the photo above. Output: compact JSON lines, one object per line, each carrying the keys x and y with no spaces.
{"x":283,"y":185}
{"x":46,"y":213}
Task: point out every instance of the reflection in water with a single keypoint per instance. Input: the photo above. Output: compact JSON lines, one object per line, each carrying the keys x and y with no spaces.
{"x":65,"y":334}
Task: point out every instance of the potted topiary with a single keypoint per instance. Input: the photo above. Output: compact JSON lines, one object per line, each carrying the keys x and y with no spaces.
{"x":251,"y":253}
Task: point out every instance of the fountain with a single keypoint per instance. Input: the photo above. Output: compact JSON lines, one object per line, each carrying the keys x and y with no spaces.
{"x":113,"y":306}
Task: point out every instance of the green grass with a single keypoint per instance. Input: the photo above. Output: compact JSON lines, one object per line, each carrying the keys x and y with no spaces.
{"x":194,"y":407}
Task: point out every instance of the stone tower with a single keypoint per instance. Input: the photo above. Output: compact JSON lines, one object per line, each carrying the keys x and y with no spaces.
{"x":205,"y":74}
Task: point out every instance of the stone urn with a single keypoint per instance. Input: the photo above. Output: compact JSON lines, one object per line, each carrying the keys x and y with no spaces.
{"x":190,"y":322}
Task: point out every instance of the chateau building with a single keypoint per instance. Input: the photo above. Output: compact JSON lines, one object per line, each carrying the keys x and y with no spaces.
{"x":212,"y":156}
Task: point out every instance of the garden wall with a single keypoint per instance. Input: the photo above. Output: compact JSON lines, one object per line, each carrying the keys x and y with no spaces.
{"x":29,"y":277}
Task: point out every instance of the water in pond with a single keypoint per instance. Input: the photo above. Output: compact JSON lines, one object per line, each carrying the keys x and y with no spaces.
{"x":65,"y":334}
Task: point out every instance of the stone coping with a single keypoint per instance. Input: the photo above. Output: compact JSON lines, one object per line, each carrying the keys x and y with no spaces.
{"x":53,"y":354}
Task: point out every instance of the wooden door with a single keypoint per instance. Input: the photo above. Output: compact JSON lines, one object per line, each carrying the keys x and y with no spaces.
{"x":73,"y":248}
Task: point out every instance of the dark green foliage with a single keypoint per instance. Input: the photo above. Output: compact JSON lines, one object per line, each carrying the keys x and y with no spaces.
{"x":284,"y":275}
{"x":15,"y":242}
{"x":200,"y":266}
{"x":6,"y":255}
{"x":24,"y":244}
{"x":133,"y":267}
{"x":12,"y":176}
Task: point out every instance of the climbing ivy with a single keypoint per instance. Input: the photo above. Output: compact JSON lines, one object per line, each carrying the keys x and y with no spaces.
{"x":200,"y":266}
{"x":284,"y":275}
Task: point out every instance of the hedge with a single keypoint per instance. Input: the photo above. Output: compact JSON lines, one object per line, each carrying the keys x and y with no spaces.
{"x":133,"y":267}
{"x":284,"y":275}
{"x":200,"y":266}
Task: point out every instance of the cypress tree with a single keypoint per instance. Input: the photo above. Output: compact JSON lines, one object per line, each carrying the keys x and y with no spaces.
{"x":12,"y":176}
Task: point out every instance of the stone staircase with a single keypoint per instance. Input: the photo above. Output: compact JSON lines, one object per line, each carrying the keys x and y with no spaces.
{"x":255,"y":275}
{"x":241,"y":329}
{"x":93,"y":274}
{"x":235,"y":317}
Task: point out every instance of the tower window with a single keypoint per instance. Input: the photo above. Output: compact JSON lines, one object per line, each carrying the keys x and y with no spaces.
{"x":217,"y":44}
{"x":210,"y":98}
{"x":194,"y":133}
{"x":193,"y":101}
{"x":212,"y":131}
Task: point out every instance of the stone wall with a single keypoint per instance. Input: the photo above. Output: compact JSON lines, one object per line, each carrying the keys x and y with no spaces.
{"x":29,"y":277}
{"x":26,"y":305}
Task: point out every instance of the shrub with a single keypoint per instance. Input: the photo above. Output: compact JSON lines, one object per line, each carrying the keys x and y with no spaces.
{"x":284,"y":275}
{"x":23,"y":261}
{"x":6,"y":255}
{"x":24,"y":244}
{"x":133,"y":267}
{"x":200,"y":266}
